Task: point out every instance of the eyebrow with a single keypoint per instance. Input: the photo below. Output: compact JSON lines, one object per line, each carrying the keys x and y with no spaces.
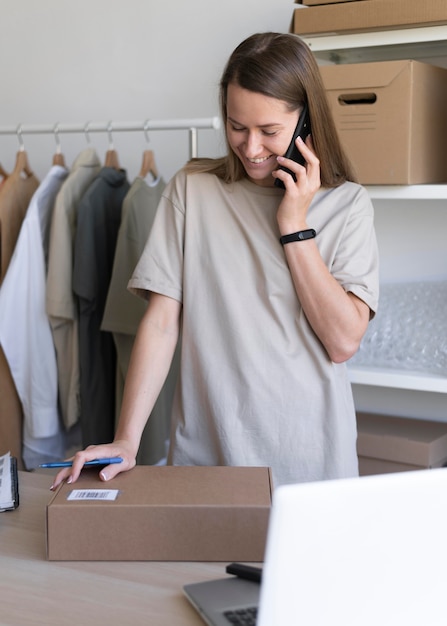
{"x":272,"y":124}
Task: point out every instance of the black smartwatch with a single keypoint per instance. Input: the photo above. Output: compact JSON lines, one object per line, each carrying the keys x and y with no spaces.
{"x":301,"y":235}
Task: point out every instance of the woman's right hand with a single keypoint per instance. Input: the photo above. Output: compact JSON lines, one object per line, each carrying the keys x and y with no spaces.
{"x":116,"y":448}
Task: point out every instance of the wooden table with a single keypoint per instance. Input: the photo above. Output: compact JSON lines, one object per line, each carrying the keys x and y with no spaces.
{"x":39,"y":592}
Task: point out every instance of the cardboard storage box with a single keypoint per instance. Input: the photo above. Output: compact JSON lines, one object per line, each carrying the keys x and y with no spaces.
{"x":392,"y":119}
{"x":366,"y":15}
{"x":162,"y":514}
{"x":388,"y":444}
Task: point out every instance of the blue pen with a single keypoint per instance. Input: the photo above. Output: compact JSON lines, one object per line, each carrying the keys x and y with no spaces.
{"x":106,"y":461}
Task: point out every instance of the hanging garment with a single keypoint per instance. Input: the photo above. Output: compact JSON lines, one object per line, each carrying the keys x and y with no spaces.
{"x":25,"y":332}
{"x":15,"y":195}
{"x":123,"y":311}
{"x":61,"y":305}
{"x":98,"y":221}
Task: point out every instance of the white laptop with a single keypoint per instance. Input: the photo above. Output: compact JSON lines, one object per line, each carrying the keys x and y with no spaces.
{"x":368,"y":551}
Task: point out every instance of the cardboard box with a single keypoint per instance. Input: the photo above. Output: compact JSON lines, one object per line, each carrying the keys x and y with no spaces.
{"x":392,"y":119}
{"x":388,"y":444}
{"x":366,"y":15}
{"x":162,"y":514}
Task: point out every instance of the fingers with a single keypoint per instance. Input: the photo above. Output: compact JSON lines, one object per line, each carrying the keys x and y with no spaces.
{"x":110,"y":471}
{"x":286,"y":176}
{"x":60,"y":477}
{"x":71,"y":474}
{"x":311,"y":169}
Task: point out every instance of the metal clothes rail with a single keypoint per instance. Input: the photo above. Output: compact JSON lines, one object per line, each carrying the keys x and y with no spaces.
{"x":192,"y":125}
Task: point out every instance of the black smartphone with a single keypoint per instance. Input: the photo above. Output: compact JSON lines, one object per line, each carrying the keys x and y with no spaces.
{"x":303,"y":130}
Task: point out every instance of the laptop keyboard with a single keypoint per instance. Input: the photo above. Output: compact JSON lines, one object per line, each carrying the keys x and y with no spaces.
{"x":242,"y":617}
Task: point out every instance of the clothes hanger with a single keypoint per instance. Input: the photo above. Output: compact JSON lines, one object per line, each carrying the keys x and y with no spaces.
{"x":148,"y":164}
{"x":58,"y":157}
{"x":22,"y":166}
{"x":111,"y":154}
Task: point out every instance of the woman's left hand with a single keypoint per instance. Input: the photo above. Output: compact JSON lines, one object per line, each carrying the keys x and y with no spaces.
{"x":292,"y":211}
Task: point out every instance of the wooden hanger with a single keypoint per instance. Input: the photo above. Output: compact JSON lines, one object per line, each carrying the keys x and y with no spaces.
{"x":112,"y":159}
{"x":111,"y":154}
{"x":22,"y":164}
{"x":148,"y":165}
{"x":58,"y":159}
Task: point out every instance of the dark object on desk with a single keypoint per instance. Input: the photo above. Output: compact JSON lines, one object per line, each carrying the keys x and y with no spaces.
{"x":9,"y":483}
{"x":247,"y":572}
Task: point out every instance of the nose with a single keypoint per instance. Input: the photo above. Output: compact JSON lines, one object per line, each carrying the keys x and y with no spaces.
{"x":253,"y":145}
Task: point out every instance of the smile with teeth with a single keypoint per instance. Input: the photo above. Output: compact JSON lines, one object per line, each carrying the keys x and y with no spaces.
{"x":261,"y":160}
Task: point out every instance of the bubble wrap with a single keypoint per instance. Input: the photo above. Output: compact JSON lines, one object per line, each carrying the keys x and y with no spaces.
{"x":409,"y":331}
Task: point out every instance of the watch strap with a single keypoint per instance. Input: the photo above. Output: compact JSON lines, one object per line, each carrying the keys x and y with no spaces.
{"x":301,"y":235}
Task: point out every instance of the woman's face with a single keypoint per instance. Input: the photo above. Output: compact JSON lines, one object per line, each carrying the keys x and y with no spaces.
{"x":259,"y":129}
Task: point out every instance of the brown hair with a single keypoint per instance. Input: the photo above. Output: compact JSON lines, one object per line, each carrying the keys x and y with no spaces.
{"x":281,"y":66}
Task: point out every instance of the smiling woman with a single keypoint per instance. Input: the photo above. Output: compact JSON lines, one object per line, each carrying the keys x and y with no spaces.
{"x":271,"y":289}
{"x":259,"y":129}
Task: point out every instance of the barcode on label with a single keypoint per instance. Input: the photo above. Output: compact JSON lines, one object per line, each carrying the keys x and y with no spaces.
{"x":93,"y":494}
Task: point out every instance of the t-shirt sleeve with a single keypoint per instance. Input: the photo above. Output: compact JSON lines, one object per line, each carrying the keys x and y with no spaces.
{"x":356,"y":263}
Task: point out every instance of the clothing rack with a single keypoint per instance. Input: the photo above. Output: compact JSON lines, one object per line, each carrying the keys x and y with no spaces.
{"x":192,"y":125}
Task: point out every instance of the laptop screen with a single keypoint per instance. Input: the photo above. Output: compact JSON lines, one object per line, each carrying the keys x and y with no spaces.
{"x":361,"y":551}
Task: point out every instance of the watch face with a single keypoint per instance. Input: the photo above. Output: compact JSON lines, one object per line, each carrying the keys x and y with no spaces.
{"x":307,"y":234}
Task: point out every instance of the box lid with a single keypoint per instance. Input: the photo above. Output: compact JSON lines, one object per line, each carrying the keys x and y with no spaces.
{"x":178,"y":485}
{"x":403,"y":440}
{"x":363,"y":75}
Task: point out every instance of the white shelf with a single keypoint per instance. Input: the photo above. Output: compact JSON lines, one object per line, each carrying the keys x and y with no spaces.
{"x":407,"y":192}
{"x":406,"y":43}
{"x":397,"y":379}
{"x":424,"y":43}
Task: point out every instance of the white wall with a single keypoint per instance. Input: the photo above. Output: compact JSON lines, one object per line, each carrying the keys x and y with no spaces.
{"x":101,"y":60}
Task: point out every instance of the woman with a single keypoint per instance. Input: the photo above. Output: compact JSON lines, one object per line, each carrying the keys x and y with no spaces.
{"x":266,"y":325}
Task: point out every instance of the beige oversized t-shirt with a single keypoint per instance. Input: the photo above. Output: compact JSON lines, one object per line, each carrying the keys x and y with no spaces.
{"x":256,"y":387}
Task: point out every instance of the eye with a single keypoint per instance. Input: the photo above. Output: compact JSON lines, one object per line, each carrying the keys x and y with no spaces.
{"x":237,"y":129}
{"x":270,"y":133}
